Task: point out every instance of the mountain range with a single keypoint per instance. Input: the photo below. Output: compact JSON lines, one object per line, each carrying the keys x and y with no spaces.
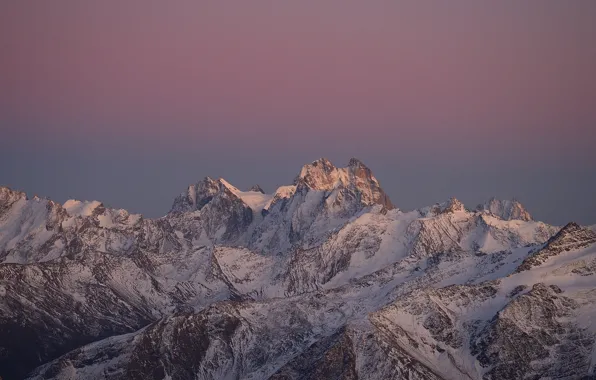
{"x":325,"y":278}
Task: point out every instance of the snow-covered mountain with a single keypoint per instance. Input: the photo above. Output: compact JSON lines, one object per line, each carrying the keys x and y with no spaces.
{"x":506,"y":209}
{"x":323,"y":278}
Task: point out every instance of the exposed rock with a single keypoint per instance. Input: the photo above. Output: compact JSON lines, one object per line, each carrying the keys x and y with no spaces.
{"x":257,"y":189}
{"x":356,"y":178}
{"x":570,"y":237}
{"x":506,"y":209}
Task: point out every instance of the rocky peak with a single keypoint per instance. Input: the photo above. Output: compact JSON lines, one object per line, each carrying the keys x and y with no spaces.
{"x":355,"y":163}
{"x":506,"y":209}
{"x":318,"y":175}
{"x":324,"y":176}
{"x":199,"y":194}
{"x":7,"y":195}
{"x":360,"y":171}
{"x":453,"y":205}
{"x":257,"y":188}
{"x":9,"y":198}
{"x":450,"y":206}
{"x":571,"y":237}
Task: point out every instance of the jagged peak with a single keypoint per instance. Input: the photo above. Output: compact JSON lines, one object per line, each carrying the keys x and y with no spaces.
{"x":571,"y":229}
{"x":209,"y":182}
{"x":506,"y":209}
{"x":450,"y":206}
{"x":571,"y":226}
{"x":453,"y":205}
{"x":322,"y":161}
{"x":320,"y":174}
{"x":320,"y":164}
{"x":571,"y":237}
{"x":6,"y":193}
{"x":9,"y":196}
{"x":323,"y":175}
{"x":355,"y":163}
{"x":358,"y":169}
{"x":203,"y":192}
{"x":228,"y":186}
{"x":257,"y":188}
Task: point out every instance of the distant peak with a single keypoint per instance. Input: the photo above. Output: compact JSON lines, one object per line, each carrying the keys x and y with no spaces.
{"x":571,"y":227}
{"x":506,"y":209}
{"x":322,"y":161}
{"x":450,"y":206}
{"x":228,"y":185}
{"x":257,"y":188}
{"x":453,"y":205}
{"x":355,"y":163}
{"x":7,"y":194}
{"x":357,"y":168}
{"x":322,"y":175}
{"x":318,"y":175}
{"x":571,"y":237}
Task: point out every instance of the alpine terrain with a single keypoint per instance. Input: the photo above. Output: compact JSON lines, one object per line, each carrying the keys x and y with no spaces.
{"x":322,"y":279}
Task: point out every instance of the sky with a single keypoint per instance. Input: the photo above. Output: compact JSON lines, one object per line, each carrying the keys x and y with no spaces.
{"x":128,"y":102}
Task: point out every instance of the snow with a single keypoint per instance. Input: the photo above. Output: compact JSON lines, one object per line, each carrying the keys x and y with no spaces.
{"x":24,"y":222}
{"x":282,"y":192}
{"x":80,"y":208}
{"x":254,"y":199}
{"x":249,"y":273}
{"x":391,"y":248}
{"x":463,"y":311}
{"x":105,"y":221}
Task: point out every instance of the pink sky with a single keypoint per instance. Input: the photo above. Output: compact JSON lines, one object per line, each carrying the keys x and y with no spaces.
{"x":462,"y":78}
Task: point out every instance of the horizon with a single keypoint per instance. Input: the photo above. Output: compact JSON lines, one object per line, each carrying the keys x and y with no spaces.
{"x":469,"y":207}
{"x":129,"y":102}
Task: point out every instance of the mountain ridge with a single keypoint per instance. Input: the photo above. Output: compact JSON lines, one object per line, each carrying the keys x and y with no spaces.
{"x":245,"y":284}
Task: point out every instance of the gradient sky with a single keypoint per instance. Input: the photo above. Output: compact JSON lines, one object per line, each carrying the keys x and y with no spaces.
{"x":130,"y":101}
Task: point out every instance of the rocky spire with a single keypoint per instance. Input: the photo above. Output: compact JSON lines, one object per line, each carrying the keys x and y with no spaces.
{"x":318,"y":175}
{"x":9,"y":195}
{"x":197,"y":195}
{"x":323,"y":175}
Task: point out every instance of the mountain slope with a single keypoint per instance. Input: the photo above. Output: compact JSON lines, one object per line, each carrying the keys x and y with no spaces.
{"x":533,"y":323}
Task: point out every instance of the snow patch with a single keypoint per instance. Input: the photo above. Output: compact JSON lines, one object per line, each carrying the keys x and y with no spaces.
{"x":80,"y":208}
{"x":254,"y":199}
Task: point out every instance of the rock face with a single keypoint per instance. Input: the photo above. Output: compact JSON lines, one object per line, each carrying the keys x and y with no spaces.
{"x":356,"y":179}
{"x":323,"y":278}
{"x":533,"y":332}
{"x":506,"y":209}
{"x":450,"y":206}
{"x":569,"y":238}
